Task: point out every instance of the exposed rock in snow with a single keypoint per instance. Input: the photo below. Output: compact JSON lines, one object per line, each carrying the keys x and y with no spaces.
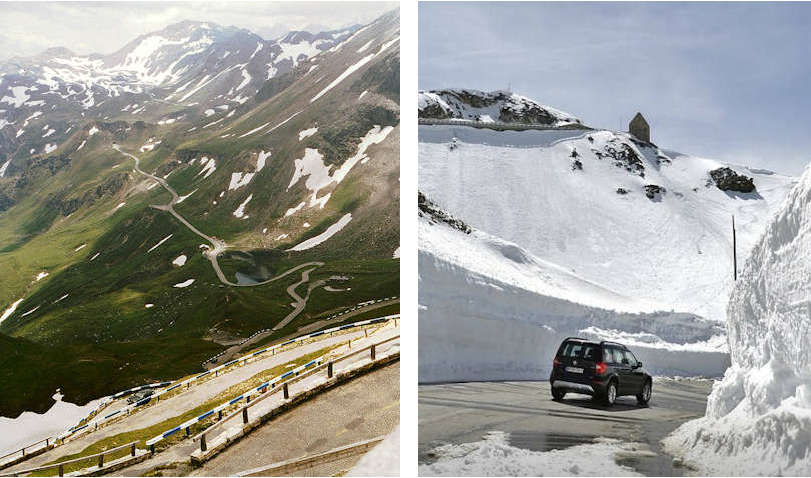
{"x":331,"y":231}
{"x":758,"y":419}
{"x":474,"y":105}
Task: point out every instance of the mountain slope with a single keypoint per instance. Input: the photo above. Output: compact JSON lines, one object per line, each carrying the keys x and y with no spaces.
{"x":271,"y":212}
{"x":648,"y":223}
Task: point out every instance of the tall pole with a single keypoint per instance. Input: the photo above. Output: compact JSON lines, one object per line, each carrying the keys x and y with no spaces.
{"x":734,"y":252}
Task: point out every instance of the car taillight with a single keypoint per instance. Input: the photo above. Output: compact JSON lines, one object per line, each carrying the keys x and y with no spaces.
{"x":600,"y":368}
{"x":556,"y":362}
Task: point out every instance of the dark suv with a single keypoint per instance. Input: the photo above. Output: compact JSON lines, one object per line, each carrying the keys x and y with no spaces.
{"x":604,"y":370}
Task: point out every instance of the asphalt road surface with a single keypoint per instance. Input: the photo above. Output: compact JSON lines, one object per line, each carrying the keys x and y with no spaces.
{"x":464,"y":412}
{"x":178,"y":404}
{"x":366,"y":407}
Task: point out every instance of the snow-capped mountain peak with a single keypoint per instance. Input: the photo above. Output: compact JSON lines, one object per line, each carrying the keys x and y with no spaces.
{"x":495,"y":106}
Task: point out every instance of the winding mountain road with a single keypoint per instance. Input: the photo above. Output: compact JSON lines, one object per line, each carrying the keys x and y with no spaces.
{"x":219,"y":246}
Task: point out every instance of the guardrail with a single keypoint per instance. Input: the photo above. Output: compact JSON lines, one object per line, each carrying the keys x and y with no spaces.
{"x":215,"y":371}
{"x":287,"y":468}
{"x":262,"y":388}
{"x":61,"y":465}
{"x":33,"y":450}
{"x":284,"y":388}
{"x":94,"y":424}
{"x":333,"y":316}
{"x":499,"y":126}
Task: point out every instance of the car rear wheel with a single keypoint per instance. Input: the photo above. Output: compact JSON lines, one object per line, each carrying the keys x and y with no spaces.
{"x":644,"y":396}
{"x":610,"y":393}
{"x":558,"y":394}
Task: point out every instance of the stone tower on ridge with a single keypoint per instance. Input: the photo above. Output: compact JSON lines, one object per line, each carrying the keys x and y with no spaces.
{"x":639,"y":128}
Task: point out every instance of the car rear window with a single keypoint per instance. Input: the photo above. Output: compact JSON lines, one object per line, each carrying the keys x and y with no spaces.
{"x":579,"y":350}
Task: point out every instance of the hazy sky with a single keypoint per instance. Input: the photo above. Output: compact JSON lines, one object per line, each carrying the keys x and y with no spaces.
{"x":27,"y":28}
{"x":723,"y":80}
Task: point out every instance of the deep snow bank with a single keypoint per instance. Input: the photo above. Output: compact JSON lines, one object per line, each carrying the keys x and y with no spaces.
{"x":490,"y":310}
{"x":758,"y":417}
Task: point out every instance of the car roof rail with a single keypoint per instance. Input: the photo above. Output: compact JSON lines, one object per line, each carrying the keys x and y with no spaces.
{"x":577,"y":338}
{"x":611,"y":342}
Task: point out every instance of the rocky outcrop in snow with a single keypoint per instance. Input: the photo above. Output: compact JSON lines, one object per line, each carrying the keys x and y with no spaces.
{"x":758,"y":417}
{"x":728,"y":179}
{"x":486,"y":107}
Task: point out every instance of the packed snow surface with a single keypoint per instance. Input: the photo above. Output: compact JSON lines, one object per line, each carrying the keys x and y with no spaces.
{"x":240,"y":211}
{"x":758,"y":418}
{"x":495,"y":456}
{"x":331,"y":231}
{"x":239,"y":179}
{"x":673,"y":250}
{"x":10,"y":310}
{"x":183,"y":284}
{"x":41,"y":276}
{"x":382,"y":460}
{"x":4,"y":167}
{"x":307,"y":133}
{"x":30,"y":427}
{"x":180,"y":260}
{"x":159,"y":243}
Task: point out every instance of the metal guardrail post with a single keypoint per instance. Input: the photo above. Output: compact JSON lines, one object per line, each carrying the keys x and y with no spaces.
{"x":366,"y":332}
{"x":286,"y":392}
{"x":101,"y":460}
{"x":61,"y":470}
{"x":203,"y":446}
{"x":372,"y":349}
{"x":329,"y":370}
{"x":132,"y":450}
{"x":245,"y":415}
{"x":219,"y":415}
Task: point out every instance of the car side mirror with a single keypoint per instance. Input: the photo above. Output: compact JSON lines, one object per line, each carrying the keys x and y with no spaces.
{"x":625,"y":361}
{"x":638,"y":365}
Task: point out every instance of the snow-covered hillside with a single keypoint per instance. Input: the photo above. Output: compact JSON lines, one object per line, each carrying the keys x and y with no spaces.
{"x":648,"y":224}
{"x":758,"y":417}
{"x":490,"y":310}
{"x":501,"y":106}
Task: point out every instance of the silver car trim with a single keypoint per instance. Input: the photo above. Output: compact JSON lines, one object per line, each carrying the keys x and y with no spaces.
{"x":572,"y":386}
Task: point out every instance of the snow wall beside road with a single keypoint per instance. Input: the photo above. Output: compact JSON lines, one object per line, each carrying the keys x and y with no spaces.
{"x":475,"y":328}
{"x":759,"y":416}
